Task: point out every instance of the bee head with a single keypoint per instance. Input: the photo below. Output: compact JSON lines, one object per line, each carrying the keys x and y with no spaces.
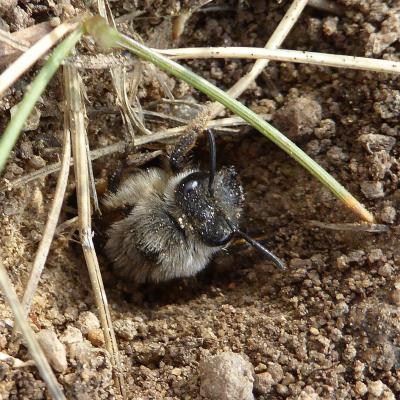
{"x":213,"y":214}
{"x":212,"y":203}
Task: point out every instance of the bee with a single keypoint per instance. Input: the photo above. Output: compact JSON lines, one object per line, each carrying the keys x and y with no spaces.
{"x":176,"y":219}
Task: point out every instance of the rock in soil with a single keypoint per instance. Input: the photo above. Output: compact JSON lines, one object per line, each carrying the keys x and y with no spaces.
{"x":53,"y":349}
{"x":226,"y":376}
{"x":298,"y":117}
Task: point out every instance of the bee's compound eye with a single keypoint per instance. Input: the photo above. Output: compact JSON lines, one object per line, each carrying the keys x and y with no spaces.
{"x":191,"y":185}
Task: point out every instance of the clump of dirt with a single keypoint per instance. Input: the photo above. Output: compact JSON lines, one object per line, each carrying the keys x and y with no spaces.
{"x":325,"y":328}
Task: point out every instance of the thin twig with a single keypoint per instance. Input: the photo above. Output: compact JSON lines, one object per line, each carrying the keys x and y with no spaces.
{"x":51,"y":224}
{"x":122,"y":146}
{"x":275,"y":41}
{"x":77,"y":127}
{"x":33,"y":346}
{"x":306,"y":57}
{"x":71,"y":223}
{"x":50,"y":169}
{"x":27,"y":59}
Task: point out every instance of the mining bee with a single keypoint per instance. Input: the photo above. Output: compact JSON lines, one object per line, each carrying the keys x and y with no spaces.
{"x":176,"y":219}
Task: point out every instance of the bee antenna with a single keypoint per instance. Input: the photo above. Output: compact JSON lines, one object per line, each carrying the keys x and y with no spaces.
{"x":213,"y":160}
{"x":278,"y":262}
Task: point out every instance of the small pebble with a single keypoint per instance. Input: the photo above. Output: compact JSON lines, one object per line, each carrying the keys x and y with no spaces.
{"x":329,"y":25}
{"x":336,"y":155}
{"x":314,"y":331}
{"x":342,"y":263}
{"x":226,"y":376}
{"x":388,"y":214}
{"x":87,"y":321}
{"x":125,"y":328}
{"x":356,"y":256}
{"x":26,"y":150}
{"x":375,"y":388}
{"x":394,"y":297}
{"x":376,"y":142}
{"x":388,"y":395}
{"x":37,"y":162}
{"x":372,"y":190}
{"x":53,"y":349}
{"x":326,"y":129}
{"x":375,"y":255}
{"x":385,"y":270}
{"x":360,"y":388}
{"x":298,"y":117}
{"x":176,"y":372}
{"x":263,"y":383}
{"x":308,"y":393}
{"x":288,"y":379}
{"x":71,"y":335}
{"x":70,"y":379}
{"x":276,"y":371}
{"x":81,"y":351}
{"x":283,"y":390}
{"x":32,"y":123}
{"x":96,"y":337}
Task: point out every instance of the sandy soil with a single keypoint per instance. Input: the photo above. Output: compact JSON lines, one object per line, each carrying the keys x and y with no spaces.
{"x":328,"y":327}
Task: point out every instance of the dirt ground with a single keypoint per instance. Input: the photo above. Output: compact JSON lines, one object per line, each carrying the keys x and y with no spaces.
{"x":328,"y":327}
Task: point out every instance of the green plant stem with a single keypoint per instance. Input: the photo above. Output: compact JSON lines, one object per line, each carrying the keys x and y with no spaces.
{"x":25,"y":107}
{"x":109,"y":37}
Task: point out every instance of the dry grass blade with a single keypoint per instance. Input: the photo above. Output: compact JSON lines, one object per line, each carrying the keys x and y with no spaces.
{"x":130,"y":117}
{"x":23,"y":39}
{"x":118,"y":76}
{"x":351,"y":227}
{"x":305,"y":57}
{"x":92,"y":184}
{"x":11,"y":41}
{"x":75,"y":107}
{"x":51,"y":224}
{"x":23,"y":63}
{"x":275,"y":41}
{"x":33,"y":346}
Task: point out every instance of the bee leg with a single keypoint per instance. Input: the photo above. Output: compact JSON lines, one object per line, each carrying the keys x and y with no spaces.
{"x":114,"y":178}
{"x":178,"y":157}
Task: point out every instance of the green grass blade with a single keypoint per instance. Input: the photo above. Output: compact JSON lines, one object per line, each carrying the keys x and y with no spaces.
{"x":109,"y":37}
{"x":25,"y":107}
